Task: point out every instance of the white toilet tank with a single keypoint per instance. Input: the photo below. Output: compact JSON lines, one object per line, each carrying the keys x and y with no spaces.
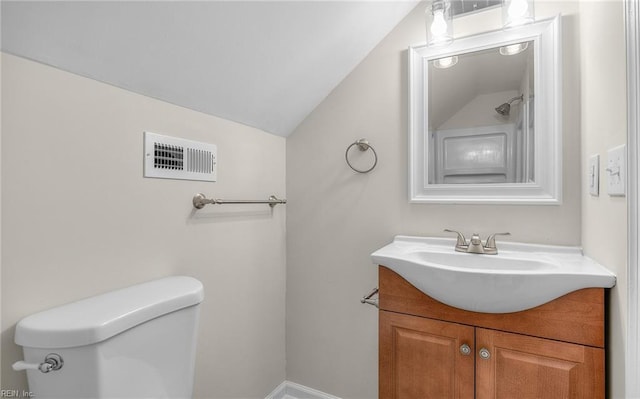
{"x":137,"y":342}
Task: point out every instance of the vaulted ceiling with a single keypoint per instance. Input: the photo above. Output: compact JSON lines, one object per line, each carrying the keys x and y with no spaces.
{"x":266,"y":64}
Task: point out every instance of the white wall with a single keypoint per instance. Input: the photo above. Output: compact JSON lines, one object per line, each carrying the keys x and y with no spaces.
{"x":336,"y":217}
{"x":603,"y":121}
{"x":480,"y":111}
{"x":79,"y":219}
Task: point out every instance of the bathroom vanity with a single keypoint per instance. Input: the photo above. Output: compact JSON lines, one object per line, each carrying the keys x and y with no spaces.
{"x":431,"y":350}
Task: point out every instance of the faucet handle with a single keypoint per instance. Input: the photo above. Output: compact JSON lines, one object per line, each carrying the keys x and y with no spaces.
{"x":475,"y":239}
{"x":461,"y":240}
{"x":491,"y":240}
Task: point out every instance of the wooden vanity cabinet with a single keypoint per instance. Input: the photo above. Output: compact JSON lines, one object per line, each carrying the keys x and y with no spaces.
{"x":420,"y":358}
{"x":431,"y":350}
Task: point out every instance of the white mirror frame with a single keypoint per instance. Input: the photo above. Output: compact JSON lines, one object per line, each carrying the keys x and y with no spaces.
{"x":547,"y":188}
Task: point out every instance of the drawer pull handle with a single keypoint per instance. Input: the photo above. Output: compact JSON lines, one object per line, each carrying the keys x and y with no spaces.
{"x":465,"y":350}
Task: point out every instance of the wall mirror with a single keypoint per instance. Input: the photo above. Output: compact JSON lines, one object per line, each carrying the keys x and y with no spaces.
{"x":485,"y":119}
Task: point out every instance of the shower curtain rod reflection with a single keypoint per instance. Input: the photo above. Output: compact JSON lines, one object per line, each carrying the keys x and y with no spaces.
{"x":200,"y":200}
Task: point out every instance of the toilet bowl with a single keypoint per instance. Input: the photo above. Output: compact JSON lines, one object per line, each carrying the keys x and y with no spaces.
{"x":137,"y":342}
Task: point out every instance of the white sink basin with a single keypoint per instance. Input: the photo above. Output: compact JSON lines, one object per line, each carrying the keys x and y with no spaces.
{"x":519,"y":277}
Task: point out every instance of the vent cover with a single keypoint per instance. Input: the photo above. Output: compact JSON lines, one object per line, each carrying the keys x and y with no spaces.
{"x":173,"y":158}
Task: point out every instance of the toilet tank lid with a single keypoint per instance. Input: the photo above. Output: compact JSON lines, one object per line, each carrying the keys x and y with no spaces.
{"x":100,"y":317}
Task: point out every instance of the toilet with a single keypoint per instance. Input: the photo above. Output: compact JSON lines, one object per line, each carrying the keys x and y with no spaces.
{"x":136,"y":342}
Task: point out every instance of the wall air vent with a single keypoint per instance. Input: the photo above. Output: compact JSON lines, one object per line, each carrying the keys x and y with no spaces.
{"x":173,"y":158}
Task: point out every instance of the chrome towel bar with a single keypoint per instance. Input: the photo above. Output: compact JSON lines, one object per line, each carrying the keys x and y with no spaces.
{"x":200,"y":200}
{"x":367,"y":298}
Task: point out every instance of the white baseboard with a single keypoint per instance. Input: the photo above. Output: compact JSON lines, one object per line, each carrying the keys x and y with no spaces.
{"x":291,"y":390}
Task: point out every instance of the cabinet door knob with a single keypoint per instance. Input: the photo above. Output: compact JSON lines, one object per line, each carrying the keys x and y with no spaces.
{"x":465,"y":349}
{"x":484,"y":353}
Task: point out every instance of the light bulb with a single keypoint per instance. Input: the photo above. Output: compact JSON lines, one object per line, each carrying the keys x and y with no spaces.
{"x":447,"y":62}
{"x":518,"y":8}
{"x":439,"y":25}
{"x":514,"y":49}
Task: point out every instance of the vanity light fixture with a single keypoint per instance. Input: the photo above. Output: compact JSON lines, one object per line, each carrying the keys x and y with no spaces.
{"x":439,"y":23}
{"x":514,"y":49}
{"x":517,"y":13}
{"x":446,"y":62}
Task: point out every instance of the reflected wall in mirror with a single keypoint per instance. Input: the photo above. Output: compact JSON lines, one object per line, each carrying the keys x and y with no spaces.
{"x":474,"y":135}
{"x":479,"y":106}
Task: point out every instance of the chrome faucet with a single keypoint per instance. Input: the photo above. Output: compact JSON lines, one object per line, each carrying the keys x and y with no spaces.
{"x":475,"y":246}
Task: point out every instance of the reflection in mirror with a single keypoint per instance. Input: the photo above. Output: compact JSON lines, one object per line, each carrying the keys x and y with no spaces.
{"x":485,"y":118}
{"x":480,"y":124}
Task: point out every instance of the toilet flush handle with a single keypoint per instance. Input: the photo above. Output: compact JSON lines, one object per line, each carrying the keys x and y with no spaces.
{"x":52,"y":361}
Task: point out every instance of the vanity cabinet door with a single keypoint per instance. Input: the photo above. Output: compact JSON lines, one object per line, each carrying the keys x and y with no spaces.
{"x":523,"y":367}
{"x":425,"y":358}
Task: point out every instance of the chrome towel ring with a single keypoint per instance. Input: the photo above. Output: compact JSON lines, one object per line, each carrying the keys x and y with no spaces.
{"x":363,"y":145}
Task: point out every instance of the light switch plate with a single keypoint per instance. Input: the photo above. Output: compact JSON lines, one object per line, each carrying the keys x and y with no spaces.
{"x":593,"y":175}
{"x":616,"y":170}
